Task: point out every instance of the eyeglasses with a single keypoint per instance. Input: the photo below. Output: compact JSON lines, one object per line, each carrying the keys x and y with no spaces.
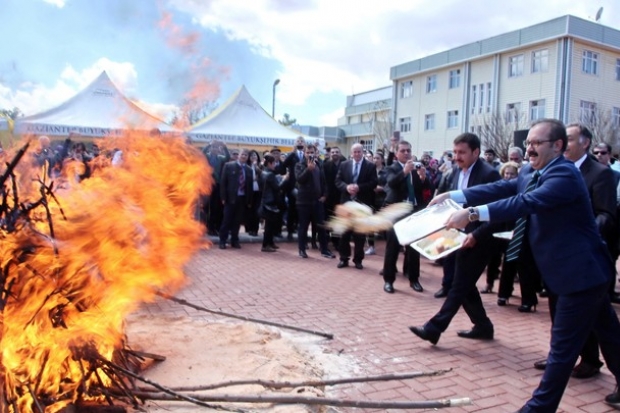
{"x":535,"y":144}
{"x":600,"y":152}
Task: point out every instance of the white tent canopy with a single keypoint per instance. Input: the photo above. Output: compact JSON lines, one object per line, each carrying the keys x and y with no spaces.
{"x":242,"y":120}
{"x":97,"y":111}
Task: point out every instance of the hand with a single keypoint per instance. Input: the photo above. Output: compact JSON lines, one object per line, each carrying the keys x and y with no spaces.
{"x":311,"y":164}
{"x":322,"y":199}
{"x":422,"y":173}
{"x":439,"y":198}
{"x":378,"y":189}
{"x":469,"y":242}
{"x":408,"y":167}
{"x":458,"y":220}
{"x":352,"y":189}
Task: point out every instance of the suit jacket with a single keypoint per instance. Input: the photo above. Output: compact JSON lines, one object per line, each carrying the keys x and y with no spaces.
{"x":397,"y":188}
{"x":229,"y":184}
{"x":306,"y":191}
{"x":602,"y":191}
{"x":330,"y":169}
{"x":271,"y":189}
{"x":366,"y":181}
{"x":562,"y":232}
{"x":289,"y":166}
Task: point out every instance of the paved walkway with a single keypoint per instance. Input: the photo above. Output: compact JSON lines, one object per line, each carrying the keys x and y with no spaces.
{"x":371,"y":326}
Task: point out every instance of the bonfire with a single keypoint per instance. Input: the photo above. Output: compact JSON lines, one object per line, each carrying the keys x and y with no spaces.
{"x":76,"y":258}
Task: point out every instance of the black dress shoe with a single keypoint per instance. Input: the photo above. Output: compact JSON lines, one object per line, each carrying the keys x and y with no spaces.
{"x":222,"y":245}
{"x":303,"y":254}
{"x":487,"y":290}
{"x":328,"y":254}
{"x":359,"y":266}
{"x":476,"y":334}
{"x":540,"y":364}
{"x":585,"y":370}
{"x":236,"y":245}
{"x":425,"y":335}
{"x":441,"y":293}
{"x":527,"y":308}
{"x":543,"y":293}
{"x":342,"y":264}
{"x":388,"y":288}
{"x":416,"y":286}
{"x":613,"y":399}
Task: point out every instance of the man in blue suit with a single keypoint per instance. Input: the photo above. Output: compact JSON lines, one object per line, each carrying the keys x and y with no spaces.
{"x":551,"y":197}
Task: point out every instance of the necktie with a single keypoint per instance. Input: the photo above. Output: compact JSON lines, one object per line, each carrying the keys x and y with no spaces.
{"x":241,"y":181}
{"x":356,"y":171}
{"x":410,"y":190}
{"x":514,"y":246}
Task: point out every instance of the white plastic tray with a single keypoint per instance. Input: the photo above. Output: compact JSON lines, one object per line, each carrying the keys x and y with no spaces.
{"x":439,"y":243}
{"x":425,"y":222}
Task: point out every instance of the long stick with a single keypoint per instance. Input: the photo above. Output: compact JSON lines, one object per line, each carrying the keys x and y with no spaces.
{"x":253,"y":320}
{"x":310,"y":383}
{"x":322,"y":401}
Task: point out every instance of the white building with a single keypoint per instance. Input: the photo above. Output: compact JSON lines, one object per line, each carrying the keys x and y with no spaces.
{"x":367,"y":119}
{"x":567,"y":68}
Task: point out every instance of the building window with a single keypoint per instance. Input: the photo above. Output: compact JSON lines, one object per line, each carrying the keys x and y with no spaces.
{"x":615,"y":117}
{"x":429,"y":122}
{"x":489,"y":97}
{"x":481,"y":98}
{"x":590,"y":62}
{"x":515,"y":66}
{"x":537,"y":109}
{"x":406,"y":89}
{"x":473,"y":99}
{"x":540,"y":61}
{"x":405,"y":124}
{"x":455,"y":78}
{"x":453,"y":119}
{"x":617,"y":69}
{"x":513,"y":112}
{"x":431,"y":84}
{"x":587,"y":111}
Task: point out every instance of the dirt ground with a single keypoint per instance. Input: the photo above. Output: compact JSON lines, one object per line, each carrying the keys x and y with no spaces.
{"x":206,"y":352}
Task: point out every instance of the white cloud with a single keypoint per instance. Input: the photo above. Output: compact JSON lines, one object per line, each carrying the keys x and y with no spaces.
{"x":340,"y":46}
{"x":58,"y":3}
{"x":33,"y":98}
{"x":332,"y":117}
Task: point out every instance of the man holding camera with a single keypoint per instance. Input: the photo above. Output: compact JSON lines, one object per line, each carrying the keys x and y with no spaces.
{"x":406,"y":181}
{"x":311,"y":195}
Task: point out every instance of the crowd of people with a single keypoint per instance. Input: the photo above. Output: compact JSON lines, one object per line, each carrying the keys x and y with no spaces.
{"x":532,"y":199}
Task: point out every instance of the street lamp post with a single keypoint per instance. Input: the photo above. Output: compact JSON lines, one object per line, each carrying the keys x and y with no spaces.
{"x":273,"y":100}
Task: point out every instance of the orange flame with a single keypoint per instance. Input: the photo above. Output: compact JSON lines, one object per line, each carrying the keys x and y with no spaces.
{"x":128,"y":232}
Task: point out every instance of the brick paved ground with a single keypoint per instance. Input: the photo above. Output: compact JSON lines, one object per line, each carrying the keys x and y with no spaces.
{"x":371,"y":326}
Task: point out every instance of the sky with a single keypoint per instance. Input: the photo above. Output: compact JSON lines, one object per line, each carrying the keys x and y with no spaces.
{"x":163,"y":52}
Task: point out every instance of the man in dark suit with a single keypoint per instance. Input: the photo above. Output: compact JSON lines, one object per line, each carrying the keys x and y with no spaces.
{"x":472,"y":258}
{"x":552,"y":199}
{"x":356,"y":180}
{"x":406,"y":181}
{"x":601,"y":188}
{"x":311,"y":194}
{"x":330,"y":168}
{"x":235,"y":192}
{"x":289,"y":187}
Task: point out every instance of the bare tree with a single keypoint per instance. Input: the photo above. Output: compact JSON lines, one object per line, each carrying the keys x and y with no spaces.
{"x":287,"y":120}
{"x":603,"y":123}
{"x":496,"y":130}
{"x":11,"y":113}
{"x":191,"y":111}
{"x":380,"y":125}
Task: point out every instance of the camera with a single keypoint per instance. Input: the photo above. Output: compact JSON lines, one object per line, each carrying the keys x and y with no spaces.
{"x":311,"y":158}
{"x":417,"y":165}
